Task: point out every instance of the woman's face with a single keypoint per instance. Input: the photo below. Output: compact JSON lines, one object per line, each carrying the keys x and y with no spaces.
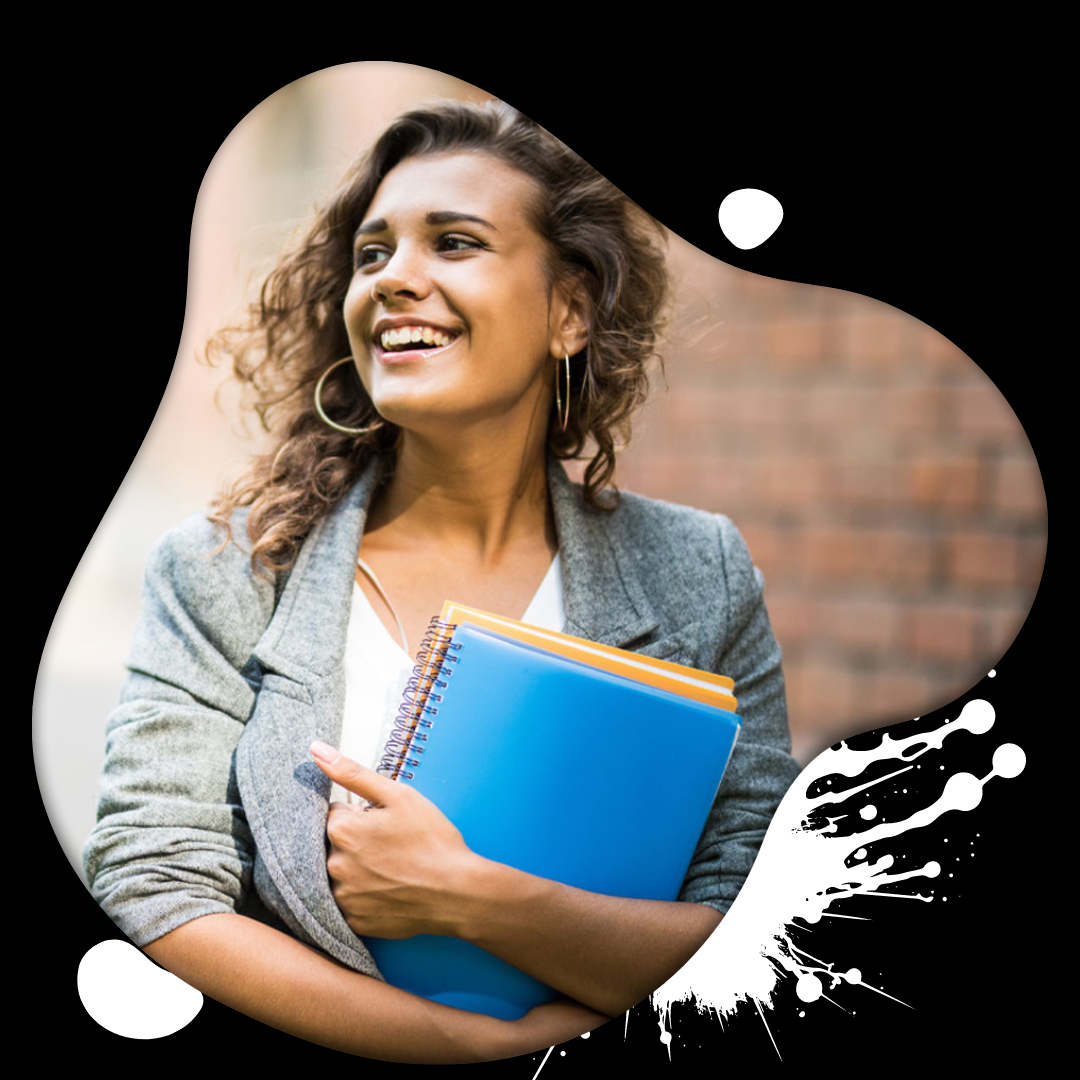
{"x":449,"y":314}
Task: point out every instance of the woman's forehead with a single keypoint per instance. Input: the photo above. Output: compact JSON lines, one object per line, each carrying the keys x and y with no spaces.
{"x":470,"y":182}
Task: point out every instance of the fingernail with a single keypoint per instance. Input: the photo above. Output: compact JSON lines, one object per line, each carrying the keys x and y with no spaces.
{"x":323,"y":752}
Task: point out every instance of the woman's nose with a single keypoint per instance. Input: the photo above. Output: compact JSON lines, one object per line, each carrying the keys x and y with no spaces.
{"x":402,"y":274}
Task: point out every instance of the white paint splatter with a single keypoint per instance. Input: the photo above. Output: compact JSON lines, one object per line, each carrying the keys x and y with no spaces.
{"x":801,"y":872}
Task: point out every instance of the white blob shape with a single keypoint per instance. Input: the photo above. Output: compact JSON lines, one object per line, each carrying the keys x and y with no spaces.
{"x":586,"y":1035}
{"x":962,"y":792}
{"x":808,"y":988}
{"x":665,"y":1037}
{"x":748,"y":217}
{"x":129,"y":995}
{"x":992,"y":672}
{"x":932,"y":869}
{"x":977,"y":716}
{"x":1009,"y":760}
{"x":853,"y":975}
{"x":868,"y":812}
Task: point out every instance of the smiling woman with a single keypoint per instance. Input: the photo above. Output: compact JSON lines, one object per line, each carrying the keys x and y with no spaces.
{"x":474,"y":305}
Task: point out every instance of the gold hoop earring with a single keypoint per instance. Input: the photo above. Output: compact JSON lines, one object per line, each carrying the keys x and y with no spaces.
{"x":563,"y":409}
{"x":326,"y":419}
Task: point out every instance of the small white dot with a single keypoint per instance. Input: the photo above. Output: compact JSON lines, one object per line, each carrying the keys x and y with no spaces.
{"x":992,"y":672}
{"x":562,"y":1053}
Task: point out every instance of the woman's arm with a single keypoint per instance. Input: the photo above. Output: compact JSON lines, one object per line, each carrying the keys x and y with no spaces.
{"x":607,"y":952}
{"x":275,"y":979}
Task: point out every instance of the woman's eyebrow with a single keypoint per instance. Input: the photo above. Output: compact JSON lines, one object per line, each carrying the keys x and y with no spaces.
{"x":435,"y":217}
{"x":447,"y":217}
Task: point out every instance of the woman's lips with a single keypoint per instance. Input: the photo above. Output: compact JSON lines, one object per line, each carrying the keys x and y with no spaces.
{"x":396,"y":357}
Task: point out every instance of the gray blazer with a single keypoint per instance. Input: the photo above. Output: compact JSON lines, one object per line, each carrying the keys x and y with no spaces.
{"x":209,"y":799}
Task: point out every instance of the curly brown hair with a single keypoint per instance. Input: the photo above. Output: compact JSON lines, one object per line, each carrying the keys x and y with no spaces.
{"x":596,"y":237}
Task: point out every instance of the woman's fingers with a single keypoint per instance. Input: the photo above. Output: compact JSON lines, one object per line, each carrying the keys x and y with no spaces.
{"x":353,"y":776}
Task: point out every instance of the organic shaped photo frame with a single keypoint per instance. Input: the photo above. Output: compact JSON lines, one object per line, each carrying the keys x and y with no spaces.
{"x":883,"y":485}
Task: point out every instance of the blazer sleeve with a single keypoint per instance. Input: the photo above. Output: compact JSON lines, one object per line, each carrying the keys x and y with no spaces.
{"x":171,"y":841}
{"x":761,"y":768}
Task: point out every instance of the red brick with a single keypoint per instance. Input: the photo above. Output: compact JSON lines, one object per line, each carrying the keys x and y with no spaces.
{"x":816,"y":688}
{"x":906,"y":558}
{"x":939,"y":350}
{"x":897,"y":696}
{"x":910,"y":408}
{"x":763,"y":406}
{"x":1004,"y":623}
{"x":835,"y":553}
{"x":867,"y":483}
{"x":770,"y":548}
{"x":891,"y":557}
{"x":798,"y":341}
{"x":953,"y":484}
{"x":946,"y":632}
{"x":872,"y":340}
{"x":978,"y":409}
{"x":1032,"y":560}
{"x":791,"y":481}
{"x":982,"y":559}
{"x":860,"y":624}
{"x":839,"y":405}
{"x":794,"y":621}
{"x":1017,"y":487}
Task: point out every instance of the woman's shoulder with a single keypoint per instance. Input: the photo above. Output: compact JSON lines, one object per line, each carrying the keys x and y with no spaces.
{"x":207,"y":568}
{"x":667,"y":527}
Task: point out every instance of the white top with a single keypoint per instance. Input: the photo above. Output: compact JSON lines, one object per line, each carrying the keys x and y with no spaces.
{"x":377,"y":670}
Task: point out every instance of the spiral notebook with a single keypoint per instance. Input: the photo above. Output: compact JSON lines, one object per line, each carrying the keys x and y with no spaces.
{"x":553,"y":766}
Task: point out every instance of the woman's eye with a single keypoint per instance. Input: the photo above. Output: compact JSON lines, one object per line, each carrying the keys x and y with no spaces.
{"x":458,"y":243}
{"x":369,"y":256}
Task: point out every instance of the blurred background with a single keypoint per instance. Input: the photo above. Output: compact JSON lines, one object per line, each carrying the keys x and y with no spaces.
{"x":882,"y":483}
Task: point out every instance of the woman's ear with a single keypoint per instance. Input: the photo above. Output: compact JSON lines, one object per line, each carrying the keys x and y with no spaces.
{"x":569,"y":322}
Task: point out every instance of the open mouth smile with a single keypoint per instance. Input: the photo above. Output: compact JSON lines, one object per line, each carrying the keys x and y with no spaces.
{"x":412,"y":342}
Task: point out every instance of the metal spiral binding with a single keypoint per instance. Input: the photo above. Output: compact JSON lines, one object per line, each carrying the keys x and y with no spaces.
{"x":432,"y":670}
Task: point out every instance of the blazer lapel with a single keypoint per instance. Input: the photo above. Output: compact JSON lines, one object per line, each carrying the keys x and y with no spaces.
{"x":604,"y":599}
{"x":302,"y":698}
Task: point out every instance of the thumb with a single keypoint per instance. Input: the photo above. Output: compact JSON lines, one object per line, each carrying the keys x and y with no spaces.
{"x":353,"y":776}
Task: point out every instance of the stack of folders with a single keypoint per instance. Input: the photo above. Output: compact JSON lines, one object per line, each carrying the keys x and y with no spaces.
{"x":574,"y":761}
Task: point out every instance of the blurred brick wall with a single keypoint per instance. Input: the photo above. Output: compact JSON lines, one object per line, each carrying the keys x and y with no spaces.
{"x":883,"y":485}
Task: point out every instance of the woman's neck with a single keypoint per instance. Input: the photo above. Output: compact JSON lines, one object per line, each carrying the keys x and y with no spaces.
{"x":472,"y":502}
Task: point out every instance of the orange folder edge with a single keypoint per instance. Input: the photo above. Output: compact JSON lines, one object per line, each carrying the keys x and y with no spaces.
{"x":605,"y":657}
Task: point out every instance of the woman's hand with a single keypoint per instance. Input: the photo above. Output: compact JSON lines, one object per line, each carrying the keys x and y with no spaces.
{"x":400,"y":869}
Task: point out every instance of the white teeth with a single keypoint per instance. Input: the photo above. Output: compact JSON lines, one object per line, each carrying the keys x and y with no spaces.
{"x":414,"y":335}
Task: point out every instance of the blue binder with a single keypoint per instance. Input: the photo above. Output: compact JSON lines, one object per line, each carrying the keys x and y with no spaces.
{"x":558,"y":769}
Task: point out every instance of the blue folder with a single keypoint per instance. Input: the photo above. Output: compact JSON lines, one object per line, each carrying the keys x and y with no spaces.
{"x":564,"y":771}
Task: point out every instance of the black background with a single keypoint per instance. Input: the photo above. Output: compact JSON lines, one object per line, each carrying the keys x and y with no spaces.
{"x":909,"y":199}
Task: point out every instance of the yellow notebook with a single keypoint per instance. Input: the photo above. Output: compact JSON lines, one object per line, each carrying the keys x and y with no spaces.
{"x":688,"y":682}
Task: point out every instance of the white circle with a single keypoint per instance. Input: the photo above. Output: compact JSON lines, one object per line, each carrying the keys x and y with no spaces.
{"x":1009,"y":760}
{"x":129,"y":995}
{"x":749,"y":216}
